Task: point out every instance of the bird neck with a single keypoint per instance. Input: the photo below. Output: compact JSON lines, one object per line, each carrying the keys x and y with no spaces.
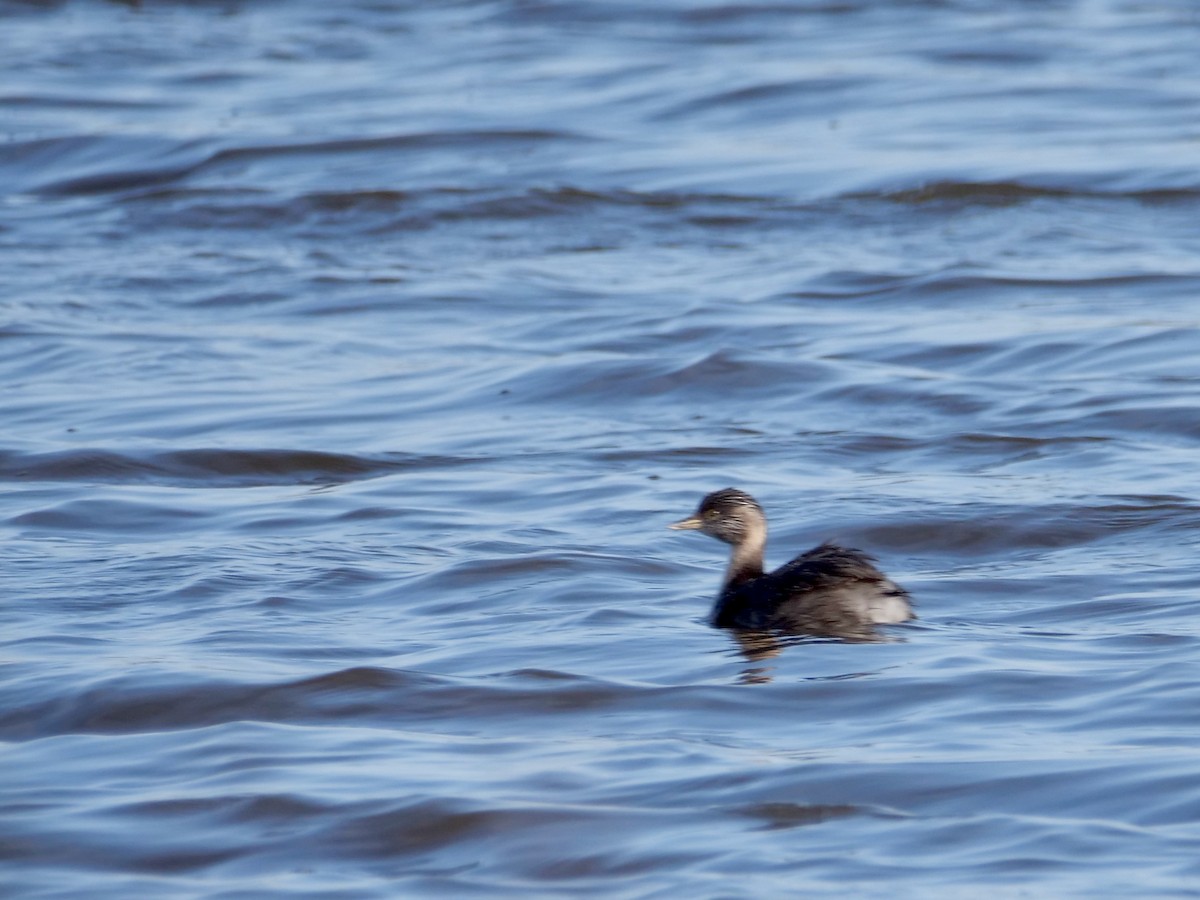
{"x":747,"y":559}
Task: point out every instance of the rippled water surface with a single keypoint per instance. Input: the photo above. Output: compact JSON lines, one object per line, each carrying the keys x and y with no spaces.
{"x":354,"y":357}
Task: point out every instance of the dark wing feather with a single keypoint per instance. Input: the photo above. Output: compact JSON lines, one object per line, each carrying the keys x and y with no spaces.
{"x":826,"y":566}
{"x":828,"y":590}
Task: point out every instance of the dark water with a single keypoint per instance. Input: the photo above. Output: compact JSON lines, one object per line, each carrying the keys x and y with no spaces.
{"x":354,"y":357}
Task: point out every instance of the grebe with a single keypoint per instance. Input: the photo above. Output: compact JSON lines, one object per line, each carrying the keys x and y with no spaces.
{"x":828,"y":590}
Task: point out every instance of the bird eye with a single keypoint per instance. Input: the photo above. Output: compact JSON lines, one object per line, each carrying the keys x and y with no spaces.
{"x":711,"y":514}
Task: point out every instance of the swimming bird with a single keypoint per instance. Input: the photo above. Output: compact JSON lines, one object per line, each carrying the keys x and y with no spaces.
{"x":829,"y":590}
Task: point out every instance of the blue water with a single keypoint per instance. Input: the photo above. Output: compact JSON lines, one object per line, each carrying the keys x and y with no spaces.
{"x":354,"y":358}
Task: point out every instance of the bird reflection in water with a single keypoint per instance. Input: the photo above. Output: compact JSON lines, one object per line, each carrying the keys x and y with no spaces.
{"x":759,"y":646}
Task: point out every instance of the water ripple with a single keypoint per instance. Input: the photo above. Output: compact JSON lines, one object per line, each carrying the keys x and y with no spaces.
{"x":356,"y":356}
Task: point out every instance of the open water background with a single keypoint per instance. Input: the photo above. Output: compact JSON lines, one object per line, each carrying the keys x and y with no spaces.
{"x":355,"y":355}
